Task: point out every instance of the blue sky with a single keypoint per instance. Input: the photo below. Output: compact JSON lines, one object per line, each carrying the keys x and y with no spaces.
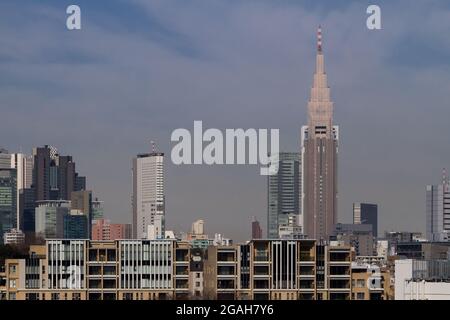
{"x":140,"y":69}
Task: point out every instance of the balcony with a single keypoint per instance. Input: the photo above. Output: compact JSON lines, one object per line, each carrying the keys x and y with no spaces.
{"x":306,"y":257}
{"x":226,"y":257}
{"x":109,"y":284}
{"x":95,"y":284}
{"x":225,"y":284}
{"x":182,"y":255}
{"x":340,"y":284}
{"x":307,"y":271}
{"x":95,"y":271}
{"x":181,"y":284}
{"x":339,"y":257}
{"x":109,"y":271}
{"x":182,"y":270}
{"x":261,"y":271}
{"x":225,"y":271}
{"x":306,"y":284}
{"x":339,"y":271}
{"x":261,"y":284}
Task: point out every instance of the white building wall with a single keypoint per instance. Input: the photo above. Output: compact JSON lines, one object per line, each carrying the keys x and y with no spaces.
{"x":149,"y":193}
{"x":407,"y":289}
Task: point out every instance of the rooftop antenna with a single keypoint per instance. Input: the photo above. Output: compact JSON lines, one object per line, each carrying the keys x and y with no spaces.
{"x":319,"y":39}
{"x":153,"y":146}
{"x":445,"y":179}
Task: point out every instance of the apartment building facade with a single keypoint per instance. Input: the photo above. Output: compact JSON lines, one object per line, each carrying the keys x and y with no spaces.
{"x":278,"y":270}
{"x":135,"y":269}
{"x":95,"y":270}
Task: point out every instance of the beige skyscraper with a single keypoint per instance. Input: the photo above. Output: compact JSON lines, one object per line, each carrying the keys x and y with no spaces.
{"x":319,"y":157}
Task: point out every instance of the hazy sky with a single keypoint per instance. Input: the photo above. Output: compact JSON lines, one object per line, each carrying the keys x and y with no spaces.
{"x":140,"y":69}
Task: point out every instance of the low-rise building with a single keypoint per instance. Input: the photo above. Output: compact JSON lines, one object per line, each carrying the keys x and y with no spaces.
{"x":278,"y":270}
{"x":422,"y":279}
{"x":169,"y":269}
{"x":371,"y":282}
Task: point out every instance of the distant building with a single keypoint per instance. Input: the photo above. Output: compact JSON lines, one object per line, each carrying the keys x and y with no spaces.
{"x":383,"y":248}
{"x":49,"y":222}
{"x":256,"y":229}
{"x":438,"y":210}
{"x":198,"y":227}
{"x":156,"y":229}
{"x":358,"y":236}
{"x":103,"y":229}
{"x":319,"y":145}
{"x":395,"y":237}
{"x":366,"y":213}
{"x":82,"y":201}
{"x":290,"y":229}
{"x":5,"y":159}
{"x":148,"y":191}
{"x":75,"y":224}
{"x":14,"y":236}
{"x":54,"y":175}
{"x":8,"y":202}
{"x":27,"y":205}
{"x":220,"y":240}
{"x":423,"y":250}
{"x":283,"y":192}
{"x":24,"y":169}
{"x":197,"y":231}
{"x":97,"y":209}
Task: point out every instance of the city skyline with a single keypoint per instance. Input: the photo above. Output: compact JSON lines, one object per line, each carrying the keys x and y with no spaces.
{"x":386,"y":76}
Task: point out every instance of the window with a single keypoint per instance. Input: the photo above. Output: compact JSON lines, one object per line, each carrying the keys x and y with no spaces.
{"x":197,"y":275}
{"x":360,"y":296}
{"x":76,"y":296}
{"x":360,"y":283}
{"x":12,"y":296}
{"x":55,"y":296}
{"x":12,"y":268}
{"x":127,"y":296}
{"x":12,"y":283}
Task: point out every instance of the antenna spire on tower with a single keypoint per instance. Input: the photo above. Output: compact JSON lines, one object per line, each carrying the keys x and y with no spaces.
{"x":153,"y":146}
{"x":319,"y":39}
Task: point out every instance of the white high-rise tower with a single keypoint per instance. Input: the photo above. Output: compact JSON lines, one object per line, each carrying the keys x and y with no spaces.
{"x":148,"y":192}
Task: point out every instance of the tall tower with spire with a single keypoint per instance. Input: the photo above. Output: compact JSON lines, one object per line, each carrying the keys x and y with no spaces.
{"x":319,"y":157}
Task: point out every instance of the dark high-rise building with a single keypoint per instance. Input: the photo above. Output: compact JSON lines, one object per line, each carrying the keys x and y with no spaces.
{"x":41,"y":173}
{"x":80,"y":182}
{"x":283,"y":193}
{"x":319,"y":157}
{"x":66,"y":177}
{"x":256,"y":229}
{"x":8,"y":201}
{"x":54,"y":176}
{"x":75,"y":226}
{"x":27,"y":204}
{"x":366,"y":213}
